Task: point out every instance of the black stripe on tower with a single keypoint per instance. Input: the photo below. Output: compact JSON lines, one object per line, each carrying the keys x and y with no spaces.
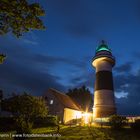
{"x":104,"y":80}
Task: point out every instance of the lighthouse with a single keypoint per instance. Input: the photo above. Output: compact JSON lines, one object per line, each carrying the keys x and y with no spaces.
{"x":104,"y":101}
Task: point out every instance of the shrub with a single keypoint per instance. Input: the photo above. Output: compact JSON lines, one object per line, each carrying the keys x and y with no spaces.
{"x":52,"y":120}
{"x":23,"y":126}
{"x":75,"y":121}
{"x":117,"y":122}
{"x":46,"y":121}
{"x":7,"y":123}
{"x":25,"y":108}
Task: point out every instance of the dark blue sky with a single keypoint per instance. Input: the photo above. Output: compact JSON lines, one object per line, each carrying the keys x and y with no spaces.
{"x":61,"y":56}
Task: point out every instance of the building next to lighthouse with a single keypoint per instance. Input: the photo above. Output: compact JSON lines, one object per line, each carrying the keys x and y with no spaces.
{"x":65,"y":108}
{"x":104,"y":101}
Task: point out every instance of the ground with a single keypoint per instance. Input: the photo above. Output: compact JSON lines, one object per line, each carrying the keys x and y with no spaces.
{"x":85,"y":132}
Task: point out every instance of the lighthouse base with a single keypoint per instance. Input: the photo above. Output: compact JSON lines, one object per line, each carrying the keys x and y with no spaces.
{"x":102,"y":111}
{"x":104,"y":104}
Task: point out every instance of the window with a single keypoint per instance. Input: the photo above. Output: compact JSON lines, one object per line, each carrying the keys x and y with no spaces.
{"x":51,"y":102}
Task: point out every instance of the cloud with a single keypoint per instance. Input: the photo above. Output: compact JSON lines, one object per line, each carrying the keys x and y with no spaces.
{"x":23,"y":70}
{"x":30,"y":38}
{"x":77,"y":18}
{"x":125,"y":68}
{"x":19,"y":78}
{"x":30,"y":42}
{"x":88,"y":18}
{"x":128,"y":84}
{"x":51,"y":60}
{"x":27,"y":70}
{"x":121,"y":94}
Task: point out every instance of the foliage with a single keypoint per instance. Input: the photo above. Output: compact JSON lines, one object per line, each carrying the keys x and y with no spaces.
{"x":117,"y":122}
{"x":52,"y":120}
{"x":23,"y":126}
{"x":2,"y":58}
{"x":20,"y":16}
{"x":136,"y":125}
{"x":75,"y":121}
{"x":14,"y":123}
{"x":7,"y":124}
{"x":25,"y":108}
{"x":82,"y":96}
{"x":45,"y":121}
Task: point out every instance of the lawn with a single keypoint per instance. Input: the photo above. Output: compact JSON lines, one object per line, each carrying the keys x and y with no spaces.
{"x":85,"y":132}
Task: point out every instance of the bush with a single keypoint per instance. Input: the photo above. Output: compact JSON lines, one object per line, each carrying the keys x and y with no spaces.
{"x":136,"y":125}
{"x":52,"y":120}
{"x":117,"y":122}
{"x":46,"y":121}
{"x":19,"y":124}
{"x":74,"y":121}
{"x":7,"y":123}
{"x":23,"y":126}
{"x":13,"y":123}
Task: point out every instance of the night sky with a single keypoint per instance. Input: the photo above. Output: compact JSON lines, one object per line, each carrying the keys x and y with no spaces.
{"x":61,"y":56}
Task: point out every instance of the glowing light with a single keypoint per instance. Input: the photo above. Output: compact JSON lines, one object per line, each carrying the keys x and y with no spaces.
{"x":78,"y":114}
{"x":95,"y":62}
{"x":103,"y":47}
{"x":86,"y":117}
{"x":70,"y":114}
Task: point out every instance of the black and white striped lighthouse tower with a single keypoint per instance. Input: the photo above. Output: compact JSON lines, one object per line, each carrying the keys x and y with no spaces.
{"x":104,"y":102}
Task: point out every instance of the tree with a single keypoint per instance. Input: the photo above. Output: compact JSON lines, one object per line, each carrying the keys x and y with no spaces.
{"x":2,"y":58}
{"x":25,"y":108}
{"x":20,"y":16}
{"x":117,"y":122}
{"x":82,"y":96}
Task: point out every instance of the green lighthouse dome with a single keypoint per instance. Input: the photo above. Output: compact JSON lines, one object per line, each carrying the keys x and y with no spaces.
{"x":102,"y":47}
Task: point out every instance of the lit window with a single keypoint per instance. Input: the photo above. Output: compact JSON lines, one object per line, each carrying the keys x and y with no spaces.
{"x":51,"y":102}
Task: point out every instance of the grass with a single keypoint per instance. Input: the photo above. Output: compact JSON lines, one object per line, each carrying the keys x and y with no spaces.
{"x":93,"y":133}
{"x":44,"y":130}
{"x":85,"y":132}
